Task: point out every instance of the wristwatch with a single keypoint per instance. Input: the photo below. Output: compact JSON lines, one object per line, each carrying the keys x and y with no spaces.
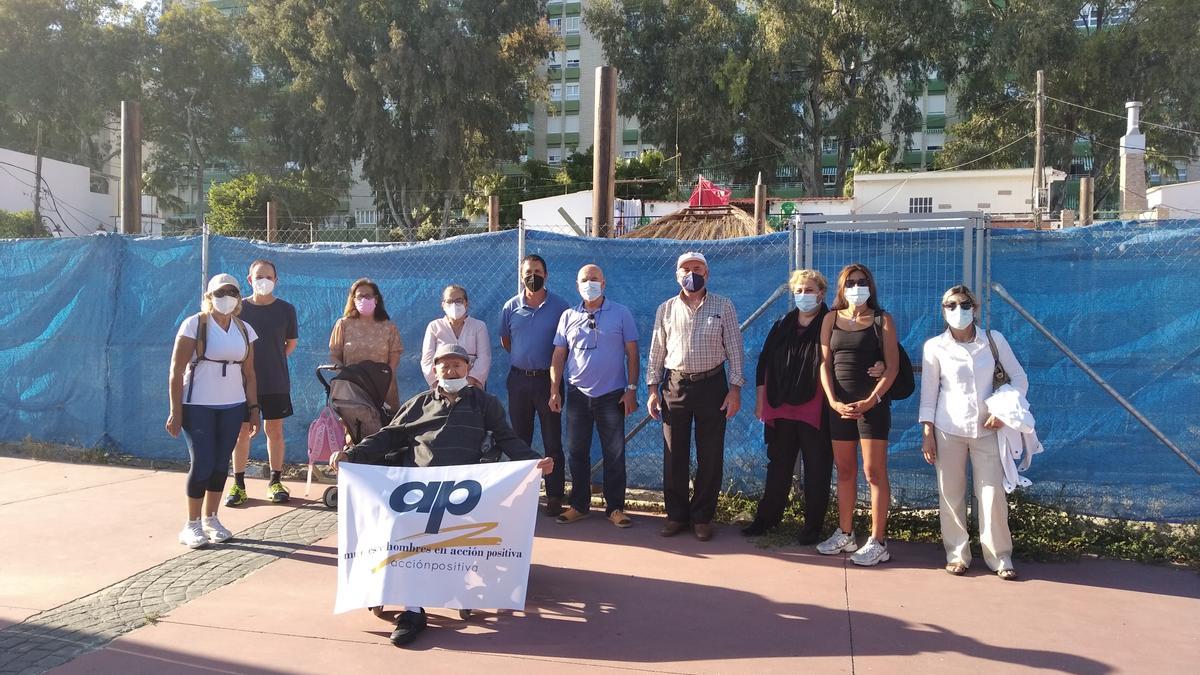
{"x":631,"y":387}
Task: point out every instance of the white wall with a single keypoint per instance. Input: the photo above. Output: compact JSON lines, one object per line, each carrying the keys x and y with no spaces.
{"x":1181,"y":199}
{"x":825,"y":206}
{"x":67,"y":186}
{"x":542,"y":214}
{"x":991,"y":191}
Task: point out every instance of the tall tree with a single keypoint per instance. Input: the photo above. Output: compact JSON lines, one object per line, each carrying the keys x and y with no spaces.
{"x":1096,"y":56}
{"x":195,"y":104}
{"x":65,"y":65}
{"x":761,"y":83}
{"x":424,"y":93}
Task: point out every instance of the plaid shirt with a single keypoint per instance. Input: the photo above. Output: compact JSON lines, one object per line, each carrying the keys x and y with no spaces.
{"x":694,"y":341}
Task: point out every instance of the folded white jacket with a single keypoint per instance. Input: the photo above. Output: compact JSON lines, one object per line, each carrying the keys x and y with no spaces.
{"x":1017,"y":438}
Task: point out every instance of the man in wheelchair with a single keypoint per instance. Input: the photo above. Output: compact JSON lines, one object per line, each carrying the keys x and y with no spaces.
{"x":448,"y":425}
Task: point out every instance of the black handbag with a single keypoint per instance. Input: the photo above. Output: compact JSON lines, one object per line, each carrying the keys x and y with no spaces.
{"x":999,"y":375}
{"x":905,"y":383}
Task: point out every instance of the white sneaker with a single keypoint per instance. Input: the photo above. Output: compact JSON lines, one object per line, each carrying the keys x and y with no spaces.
{"x":192,"y":535}
{"x":872,"y":553}
{"x":215,"y":531}
{"x":839,"y":541}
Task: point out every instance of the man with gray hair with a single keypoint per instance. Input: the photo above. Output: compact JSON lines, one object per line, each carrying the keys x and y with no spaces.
{"x":695,"y":333}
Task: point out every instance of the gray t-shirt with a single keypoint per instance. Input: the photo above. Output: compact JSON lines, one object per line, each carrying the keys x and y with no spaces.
{"x":275,"y":323}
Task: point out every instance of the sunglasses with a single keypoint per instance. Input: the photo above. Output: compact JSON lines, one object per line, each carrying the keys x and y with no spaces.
{"x":226,"y":293}
{"x":591,"y":322}
{"x":965,"y":304}
{"x":851,"y":283}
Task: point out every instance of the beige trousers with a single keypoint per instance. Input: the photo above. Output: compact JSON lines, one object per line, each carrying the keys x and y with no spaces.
{"x":991,"y":506}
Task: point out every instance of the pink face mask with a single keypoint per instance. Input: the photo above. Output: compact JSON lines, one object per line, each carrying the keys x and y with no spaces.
{"x":365,"y":306}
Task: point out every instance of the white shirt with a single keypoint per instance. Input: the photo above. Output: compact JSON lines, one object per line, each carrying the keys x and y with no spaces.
{"x":956,"y":379}
{"x":212,"y":386}
{"x":474,"y":339}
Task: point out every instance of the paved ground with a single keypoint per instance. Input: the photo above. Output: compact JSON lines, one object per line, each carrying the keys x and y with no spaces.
{"x":92,"y":581}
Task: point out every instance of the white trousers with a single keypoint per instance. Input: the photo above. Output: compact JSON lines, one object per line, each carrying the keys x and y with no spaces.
{"x":990,"y":505}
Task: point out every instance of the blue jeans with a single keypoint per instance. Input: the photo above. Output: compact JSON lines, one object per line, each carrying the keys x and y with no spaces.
{"x":604,"y":413}
{"x":211,"y":434}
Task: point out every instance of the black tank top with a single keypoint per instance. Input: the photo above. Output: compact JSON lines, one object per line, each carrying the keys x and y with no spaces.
{"x":853,"y":352}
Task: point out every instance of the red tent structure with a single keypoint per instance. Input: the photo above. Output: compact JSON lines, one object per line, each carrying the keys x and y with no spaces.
{"x":707,"y":194}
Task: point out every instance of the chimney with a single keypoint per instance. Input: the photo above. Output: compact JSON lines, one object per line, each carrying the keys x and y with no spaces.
{"x":1133,"y":162}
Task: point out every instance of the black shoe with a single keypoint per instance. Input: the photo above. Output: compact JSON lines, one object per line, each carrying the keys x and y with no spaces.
{"x":554,"y":507}
{"x":759,"y":526}
{"x":809,"y":536}
{"x":408,"y":627}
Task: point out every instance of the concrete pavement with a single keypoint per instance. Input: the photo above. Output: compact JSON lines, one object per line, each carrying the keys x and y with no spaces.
{"x":95,"y":545}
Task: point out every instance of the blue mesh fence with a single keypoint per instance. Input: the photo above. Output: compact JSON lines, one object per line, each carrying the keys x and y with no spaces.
{"x":86,"y":327}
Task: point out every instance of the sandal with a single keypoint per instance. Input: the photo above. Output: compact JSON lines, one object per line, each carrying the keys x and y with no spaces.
{"x":1007,"y":575}
{"x":957,"y":569}
{"x":619,"y":519}
{"x":570,"y":516}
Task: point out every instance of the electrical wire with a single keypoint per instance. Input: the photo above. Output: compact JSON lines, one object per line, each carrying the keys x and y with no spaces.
{"x":1105,"y":112}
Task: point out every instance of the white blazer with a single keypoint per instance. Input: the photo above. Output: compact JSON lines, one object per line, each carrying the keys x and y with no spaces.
{"x":956,"y":379}
{"x":1017,"y":438}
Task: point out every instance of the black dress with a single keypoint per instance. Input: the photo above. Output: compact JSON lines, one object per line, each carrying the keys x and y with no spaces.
{"x":854,"y":351}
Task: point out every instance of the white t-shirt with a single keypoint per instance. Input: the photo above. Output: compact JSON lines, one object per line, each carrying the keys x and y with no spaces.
{"x":213,"y":388}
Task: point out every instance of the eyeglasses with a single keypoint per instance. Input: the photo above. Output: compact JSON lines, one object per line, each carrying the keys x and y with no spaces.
{"x":225,"y":293}
{"x":965,"y":304}
{"x":851,"y":283}
{"x":360,"y":296}
{"x":457,"y":301}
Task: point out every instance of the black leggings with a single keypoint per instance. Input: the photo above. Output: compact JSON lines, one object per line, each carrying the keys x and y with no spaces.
{"x":787,"y":439}
{"x":211,"y":434}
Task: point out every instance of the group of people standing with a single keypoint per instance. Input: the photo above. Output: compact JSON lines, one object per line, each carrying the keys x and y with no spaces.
{"x":821,"y":391}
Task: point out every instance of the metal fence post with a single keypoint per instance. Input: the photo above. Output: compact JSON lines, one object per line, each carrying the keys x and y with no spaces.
{"x":520,"y":250}
{"x":203,"y":254}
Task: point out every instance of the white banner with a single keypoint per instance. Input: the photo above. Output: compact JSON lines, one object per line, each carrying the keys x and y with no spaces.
{"x":454,"y":536}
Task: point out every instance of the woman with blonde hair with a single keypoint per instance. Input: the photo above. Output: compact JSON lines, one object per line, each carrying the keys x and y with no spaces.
{"x":854,"y":334}
{"x":960,"y":368}
{"x":791,"y":405}
{"x":213,"y":397}
{"x":365,"y":332}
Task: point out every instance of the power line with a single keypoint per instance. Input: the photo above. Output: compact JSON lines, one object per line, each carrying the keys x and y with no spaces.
{"x":1105,"y":112}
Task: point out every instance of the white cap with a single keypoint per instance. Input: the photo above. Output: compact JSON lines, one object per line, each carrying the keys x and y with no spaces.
{"x":222,"y":280}
{"x":691,"y":255}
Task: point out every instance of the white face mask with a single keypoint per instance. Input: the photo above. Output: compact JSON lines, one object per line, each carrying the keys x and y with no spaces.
{"x":225,"y":305}
{"x":856,"y":295}
{"x":455,"y":312}
{"x":263,"y":286}
{"x":959,"y":318}
{"x":590,"y":290}
{"x":805,"y":302}
{"x":453,"y":386}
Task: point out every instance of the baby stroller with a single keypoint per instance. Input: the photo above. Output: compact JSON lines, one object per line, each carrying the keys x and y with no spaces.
{"x":355,"y":397}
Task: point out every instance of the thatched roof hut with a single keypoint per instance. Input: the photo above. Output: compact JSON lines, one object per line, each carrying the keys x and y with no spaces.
{"x":707,"y":222}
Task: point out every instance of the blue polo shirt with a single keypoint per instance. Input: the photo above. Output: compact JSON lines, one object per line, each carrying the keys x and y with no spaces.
{"x":595,"y":343}
{"x":531,"y":330}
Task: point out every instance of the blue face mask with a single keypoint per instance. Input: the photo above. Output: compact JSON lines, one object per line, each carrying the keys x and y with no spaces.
{"x":805,"y":302}
{"x":692,"y":282}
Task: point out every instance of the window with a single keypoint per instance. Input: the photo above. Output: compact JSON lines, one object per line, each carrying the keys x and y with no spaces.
{"x":572,"y":91}
{"x":785,"y":172}
{"x":571,"y":24}
{"x":935,"y":138}
{"x":554,"y":158}
{"x":521,"y":126}
{"x":829,"y":146}
{"x":829,"y":176}
{"x":556,"y":91}
{"x":572,"y":58}
{"x":571,"y":124}
{"x":556,"y":24}
{"x":554,"y":124}
{"x":629,"y":154}
{"x":920,"y":204}
{"x":935,"y":104}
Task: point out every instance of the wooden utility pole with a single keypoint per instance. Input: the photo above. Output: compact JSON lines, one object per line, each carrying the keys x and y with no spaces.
{"x":37,"y":180}
{"x":131,"y":167}
{"x":604,"y":167}
{"x":1039,"y":174}
{"x":1086,"y":203}
{"x":493,"y":213}
{"x":760,"y":206}
{"x":272,"y":220}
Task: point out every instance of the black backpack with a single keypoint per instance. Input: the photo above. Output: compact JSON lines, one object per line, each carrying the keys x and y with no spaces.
{"x":905,"y":384}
